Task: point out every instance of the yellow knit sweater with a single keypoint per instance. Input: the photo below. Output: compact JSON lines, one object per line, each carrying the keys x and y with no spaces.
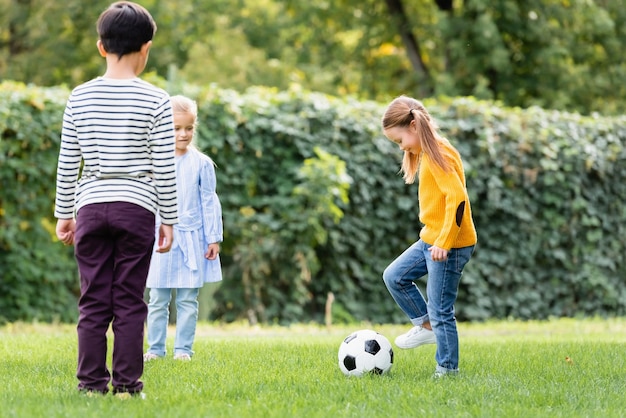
{"x":444,"y":204}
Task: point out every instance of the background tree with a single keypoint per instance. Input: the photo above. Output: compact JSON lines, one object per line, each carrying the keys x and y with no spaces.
{"x":552,"y":53}
{"x":49,"y":43}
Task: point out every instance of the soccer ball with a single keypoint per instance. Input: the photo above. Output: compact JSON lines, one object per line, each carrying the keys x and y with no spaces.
{"x":365,"y":351}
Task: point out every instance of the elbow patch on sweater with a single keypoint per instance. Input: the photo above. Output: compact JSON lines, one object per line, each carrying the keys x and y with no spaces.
{"x":459,"y":213}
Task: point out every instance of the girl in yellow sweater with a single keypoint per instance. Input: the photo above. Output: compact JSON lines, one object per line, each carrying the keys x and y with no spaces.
{"x":446,"y":241}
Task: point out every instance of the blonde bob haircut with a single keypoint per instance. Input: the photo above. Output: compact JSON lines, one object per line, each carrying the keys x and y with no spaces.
{"x":183,"y":104}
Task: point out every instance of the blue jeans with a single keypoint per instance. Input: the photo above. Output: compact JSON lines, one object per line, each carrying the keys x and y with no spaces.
{"x":186,"y":319}
{"x":441,"y":288}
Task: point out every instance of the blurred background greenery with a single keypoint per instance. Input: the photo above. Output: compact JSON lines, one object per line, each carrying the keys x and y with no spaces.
{"x":557,"y":54}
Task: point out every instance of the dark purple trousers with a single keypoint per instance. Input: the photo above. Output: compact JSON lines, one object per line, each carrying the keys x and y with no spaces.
{"x":113,"y":245}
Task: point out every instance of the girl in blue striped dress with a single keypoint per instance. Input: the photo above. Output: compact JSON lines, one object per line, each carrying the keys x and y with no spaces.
{"x":194,"y":257}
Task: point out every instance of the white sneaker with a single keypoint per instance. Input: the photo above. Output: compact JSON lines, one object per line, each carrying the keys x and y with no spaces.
{"x":441,"y":375}
{"x":126,"y":395}
{"x":415,"y":337}
{"x":149,"y":357}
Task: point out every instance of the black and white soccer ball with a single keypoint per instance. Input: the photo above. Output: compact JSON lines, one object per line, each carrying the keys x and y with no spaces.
{"x":365,"y":351}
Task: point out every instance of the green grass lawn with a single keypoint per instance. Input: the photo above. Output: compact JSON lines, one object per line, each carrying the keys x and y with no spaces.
{"x":560,"y":368}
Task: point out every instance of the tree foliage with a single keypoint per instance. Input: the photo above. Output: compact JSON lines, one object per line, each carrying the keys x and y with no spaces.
{"x":550,"y":53}
{"x":560,"y":54}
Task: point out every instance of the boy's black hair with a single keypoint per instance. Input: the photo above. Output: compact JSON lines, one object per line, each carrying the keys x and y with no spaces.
{"x":124,"y":27}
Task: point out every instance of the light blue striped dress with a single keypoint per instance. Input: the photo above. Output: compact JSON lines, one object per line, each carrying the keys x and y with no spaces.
{"x":199,"y":224}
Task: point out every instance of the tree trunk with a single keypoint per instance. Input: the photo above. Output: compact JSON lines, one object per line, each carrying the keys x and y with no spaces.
{"x":444,"y":5}
{"x":396,"y":9}
{"x":17,"y":23}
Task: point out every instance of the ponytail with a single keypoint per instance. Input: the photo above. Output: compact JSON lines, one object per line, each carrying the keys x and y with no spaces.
{"x":400,"y":113}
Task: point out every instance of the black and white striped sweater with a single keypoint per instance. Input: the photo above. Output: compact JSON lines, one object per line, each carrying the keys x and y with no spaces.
{"x":117,"y":144}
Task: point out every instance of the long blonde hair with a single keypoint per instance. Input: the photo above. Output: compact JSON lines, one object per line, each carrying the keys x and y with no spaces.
{"x":400,"y":113}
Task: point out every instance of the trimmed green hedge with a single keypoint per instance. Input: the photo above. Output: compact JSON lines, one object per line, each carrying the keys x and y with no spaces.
{"x":39,"y":279}
{"x":313,"y":204}
{"x":548,"y":190}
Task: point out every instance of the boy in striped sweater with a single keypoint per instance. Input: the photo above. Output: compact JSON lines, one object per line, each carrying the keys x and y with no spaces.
{"x":116,"y":172}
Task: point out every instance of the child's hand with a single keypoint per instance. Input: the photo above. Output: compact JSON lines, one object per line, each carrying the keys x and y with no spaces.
{"x":212,"y":251}
{"x":166,"y":237}
{"x":65,"y":230}
{"x":438,"y":254}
